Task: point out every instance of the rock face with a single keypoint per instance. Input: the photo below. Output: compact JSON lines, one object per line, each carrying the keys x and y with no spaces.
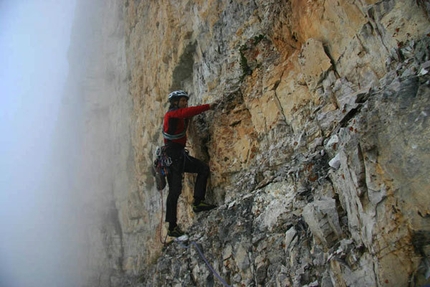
{"x":319,"y":149}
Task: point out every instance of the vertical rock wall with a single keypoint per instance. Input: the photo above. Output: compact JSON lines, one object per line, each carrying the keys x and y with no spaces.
{"x":318,"y":150}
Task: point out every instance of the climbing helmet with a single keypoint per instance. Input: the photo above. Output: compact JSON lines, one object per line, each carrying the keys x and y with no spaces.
{"x":177,"y":95}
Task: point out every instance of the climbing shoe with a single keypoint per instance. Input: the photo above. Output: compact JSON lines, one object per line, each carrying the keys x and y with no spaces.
{"x":202,"y":206}
{"x":175,"y":232}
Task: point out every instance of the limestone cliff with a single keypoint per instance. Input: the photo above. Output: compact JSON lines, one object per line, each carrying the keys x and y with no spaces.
{"x":318,"y":151}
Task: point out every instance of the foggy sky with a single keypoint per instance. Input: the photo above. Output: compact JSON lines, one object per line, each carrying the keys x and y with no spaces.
{"x":35,"y":241}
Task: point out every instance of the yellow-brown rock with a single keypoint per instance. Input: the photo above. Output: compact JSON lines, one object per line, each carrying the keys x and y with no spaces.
{"x":318,"y":149}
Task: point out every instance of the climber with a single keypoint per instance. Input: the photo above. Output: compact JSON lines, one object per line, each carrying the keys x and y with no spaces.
{"x":174,"y":132}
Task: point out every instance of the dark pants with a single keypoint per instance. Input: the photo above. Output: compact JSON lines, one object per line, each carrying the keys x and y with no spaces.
{"x":182,"y":162}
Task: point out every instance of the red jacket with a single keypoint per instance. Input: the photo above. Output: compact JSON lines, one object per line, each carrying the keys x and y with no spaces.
{"x":174,"y":122}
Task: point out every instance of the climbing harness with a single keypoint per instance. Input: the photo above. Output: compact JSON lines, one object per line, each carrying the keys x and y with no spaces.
{"x":204,"y":259}
{"x":173,"y":137}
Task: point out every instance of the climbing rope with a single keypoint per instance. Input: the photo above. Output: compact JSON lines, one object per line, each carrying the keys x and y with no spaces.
{"x":188,"y":246}
{"x":205,"y":260}
{"x":161,"y":221}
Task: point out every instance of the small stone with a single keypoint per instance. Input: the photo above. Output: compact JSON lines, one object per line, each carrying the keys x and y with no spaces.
{"x":335,"y":162}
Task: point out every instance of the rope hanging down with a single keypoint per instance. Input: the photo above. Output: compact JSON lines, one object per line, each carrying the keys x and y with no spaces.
{"x":205,"y":260}
{"x":161,"y":223}
{"x":187,"y":247}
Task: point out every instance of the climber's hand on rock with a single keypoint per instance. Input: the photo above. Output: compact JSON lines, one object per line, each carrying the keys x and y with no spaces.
{"x":215,"y":104}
